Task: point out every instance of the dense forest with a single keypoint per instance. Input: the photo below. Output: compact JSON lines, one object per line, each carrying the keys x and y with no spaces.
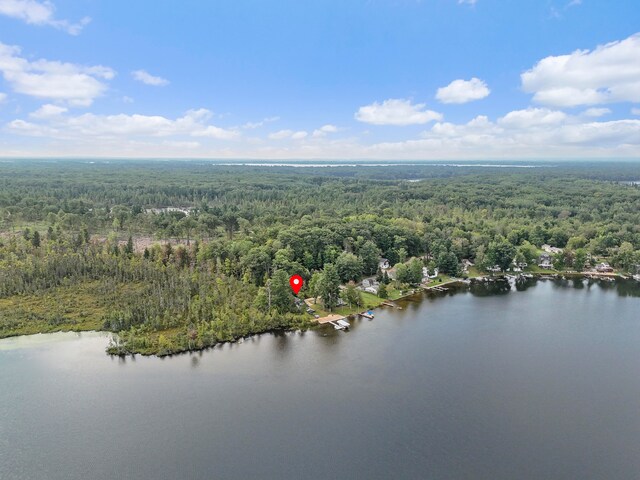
{"x":182,"y":255}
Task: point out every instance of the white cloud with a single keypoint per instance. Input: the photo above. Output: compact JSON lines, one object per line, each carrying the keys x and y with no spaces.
{"x":527,"y":133}
{"x":635,"y":111}
{"x":608,"y":74}
{"x":39,"y":13}
{"x":285,"y":134}
{"x":216,"y":132}
{"x":467,"y":2}
{"x":264,"y":121}
{"x":76,"y":84}
{"x":596,"y":112}
{"x":3,"y":97}
{"x":463,"y":91}
{"x":324,"y":130}
{"x":396,"y":112}
{"x":532,"y":117}
{"x":299,"y":135}
{"x":148,"y":79}
{"x":520,"y":134}
{"x":89,"y":126}
{"x":574,"y":3}
{"x":48,"y":111}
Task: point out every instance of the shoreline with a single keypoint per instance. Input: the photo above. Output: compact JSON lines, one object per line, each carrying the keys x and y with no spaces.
{"x":313,"y":325}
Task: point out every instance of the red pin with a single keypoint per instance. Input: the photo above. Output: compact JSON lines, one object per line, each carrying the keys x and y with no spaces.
{"x":296,"y":283}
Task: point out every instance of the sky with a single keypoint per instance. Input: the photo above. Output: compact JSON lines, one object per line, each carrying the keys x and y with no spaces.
{"x":320,"y":79}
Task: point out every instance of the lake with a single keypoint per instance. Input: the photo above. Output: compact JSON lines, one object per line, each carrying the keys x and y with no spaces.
{"x":536,"y":381}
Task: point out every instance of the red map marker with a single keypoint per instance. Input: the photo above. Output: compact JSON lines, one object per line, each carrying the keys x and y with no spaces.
{"x":296,"y":283}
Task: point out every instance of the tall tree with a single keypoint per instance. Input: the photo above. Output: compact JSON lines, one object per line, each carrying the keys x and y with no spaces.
{"x":369,"y":253}
{"x":501,"y":253}
{"x":330,"y":286}
{"x":349,"y":266}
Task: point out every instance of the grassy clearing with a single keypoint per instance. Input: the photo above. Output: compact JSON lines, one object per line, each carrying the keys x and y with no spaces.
{"x":77,"y":308}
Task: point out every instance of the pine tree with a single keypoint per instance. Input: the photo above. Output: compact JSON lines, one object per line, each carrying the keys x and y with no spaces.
{"x":35,"y":239}
{"x":128,"y":249}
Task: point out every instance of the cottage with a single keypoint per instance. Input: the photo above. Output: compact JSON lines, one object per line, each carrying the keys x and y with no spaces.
{"x":604,"y":267}
{"x":372,"y":289}
{"x":495,"y":268}
{"x":466,"y":264}
{"x":384,"y":264}
{"x":366,"y":283}
{"x":545,"y":261}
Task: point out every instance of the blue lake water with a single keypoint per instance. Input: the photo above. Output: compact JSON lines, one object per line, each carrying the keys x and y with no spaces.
{"x":539,"y":380}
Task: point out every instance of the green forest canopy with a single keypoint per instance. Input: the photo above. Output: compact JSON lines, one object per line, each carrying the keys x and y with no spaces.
{"x":231,"y":236}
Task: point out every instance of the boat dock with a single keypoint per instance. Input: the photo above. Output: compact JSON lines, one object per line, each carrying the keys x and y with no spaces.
{"x":437,"y":289}
{"x":388,"y":303}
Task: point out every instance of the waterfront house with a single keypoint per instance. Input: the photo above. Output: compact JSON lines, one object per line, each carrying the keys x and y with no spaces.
{"x":466,"y":264}
{"x":604,"y":267}
{"x":384,"y":264}
{"x":545,"y":261}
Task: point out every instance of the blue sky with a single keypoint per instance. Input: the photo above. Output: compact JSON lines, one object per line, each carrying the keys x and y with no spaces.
{"x":383,"y":79}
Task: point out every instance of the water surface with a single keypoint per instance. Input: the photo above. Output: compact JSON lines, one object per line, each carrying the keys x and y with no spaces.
{"x":529,"y":382}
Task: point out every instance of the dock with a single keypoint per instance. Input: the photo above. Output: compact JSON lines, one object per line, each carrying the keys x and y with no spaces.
{"x":437,"y":289}
{"x":330,"y":319}
{"x":388,"y":303}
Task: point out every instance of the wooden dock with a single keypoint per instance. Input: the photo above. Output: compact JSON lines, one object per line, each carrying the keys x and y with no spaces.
{"x":330,"y":319}
{"x":388,"y":303}
{"x":437,"y":288}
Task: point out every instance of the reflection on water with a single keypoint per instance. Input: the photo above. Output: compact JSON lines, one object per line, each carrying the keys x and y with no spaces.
{"x":523,"y":379}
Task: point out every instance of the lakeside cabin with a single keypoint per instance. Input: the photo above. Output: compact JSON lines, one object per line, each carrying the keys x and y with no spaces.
{"x":545,"y":261}
{"x":604,"y":267}
{"x":369,"y":285}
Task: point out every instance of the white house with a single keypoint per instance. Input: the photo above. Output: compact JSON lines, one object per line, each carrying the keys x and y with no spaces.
{"x":604,"y":267}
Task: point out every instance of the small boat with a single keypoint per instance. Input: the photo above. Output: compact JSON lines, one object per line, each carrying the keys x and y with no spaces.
{"x":637,"y":277}
{"x":367,"y":314}
{"x":343,"y":323}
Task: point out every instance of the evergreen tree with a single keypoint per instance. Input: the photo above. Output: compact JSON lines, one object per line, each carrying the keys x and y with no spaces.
{"x":281,"y":295}
{"x":329,"y":287}
{"x":448,"y":263}
{"x":128,"y":249}
{"x":35,"y":239}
